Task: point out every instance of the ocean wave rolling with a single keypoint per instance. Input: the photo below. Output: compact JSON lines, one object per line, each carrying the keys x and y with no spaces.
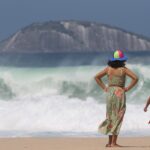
{"x":65,"y":100}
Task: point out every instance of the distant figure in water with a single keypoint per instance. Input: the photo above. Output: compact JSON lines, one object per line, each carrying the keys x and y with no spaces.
{"x":116,"y":98}
{"x":146,"y":106}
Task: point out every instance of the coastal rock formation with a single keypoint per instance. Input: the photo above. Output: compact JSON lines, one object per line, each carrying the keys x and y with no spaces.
{"x":73,"y":36}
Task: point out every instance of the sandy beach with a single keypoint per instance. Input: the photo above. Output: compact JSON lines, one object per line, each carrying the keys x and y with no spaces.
{"x":139,"y":143}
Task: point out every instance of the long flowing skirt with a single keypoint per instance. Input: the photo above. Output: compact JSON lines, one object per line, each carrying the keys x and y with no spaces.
{"x":115,"y":110}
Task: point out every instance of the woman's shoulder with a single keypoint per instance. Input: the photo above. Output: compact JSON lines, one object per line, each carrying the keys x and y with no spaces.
{"x":106,"y":69}
{"x":127,"y":69}
{"x":109,"y":69}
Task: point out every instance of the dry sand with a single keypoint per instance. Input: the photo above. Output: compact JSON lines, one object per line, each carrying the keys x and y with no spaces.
{"x":141,"y":143}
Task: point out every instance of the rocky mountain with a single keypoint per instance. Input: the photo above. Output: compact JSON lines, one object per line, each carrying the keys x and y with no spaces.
{"x":73,"y":36}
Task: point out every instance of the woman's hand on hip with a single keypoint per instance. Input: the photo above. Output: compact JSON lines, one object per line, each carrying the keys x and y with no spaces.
{"x":126,"y":89}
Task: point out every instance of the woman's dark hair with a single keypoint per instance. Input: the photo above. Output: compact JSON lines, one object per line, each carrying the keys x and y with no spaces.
{"x":116,"y":64}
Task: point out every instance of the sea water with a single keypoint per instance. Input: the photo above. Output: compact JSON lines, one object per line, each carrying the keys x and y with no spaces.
{"x":64,"y":100}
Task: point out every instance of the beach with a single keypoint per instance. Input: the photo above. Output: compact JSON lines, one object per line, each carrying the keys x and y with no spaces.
{"x":72,"y":143}
{"x":60,"y":108}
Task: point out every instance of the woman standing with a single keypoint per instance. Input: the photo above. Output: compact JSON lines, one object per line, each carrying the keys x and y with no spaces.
{"x":116,"y":99}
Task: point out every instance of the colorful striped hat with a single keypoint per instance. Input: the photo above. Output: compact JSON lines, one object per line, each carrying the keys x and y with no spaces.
{"x":118,"y":55}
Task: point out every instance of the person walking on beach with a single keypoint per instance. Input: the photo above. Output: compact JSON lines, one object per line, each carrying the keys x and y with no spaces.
{"x":116,"y":98}
{"x":146,"y":106}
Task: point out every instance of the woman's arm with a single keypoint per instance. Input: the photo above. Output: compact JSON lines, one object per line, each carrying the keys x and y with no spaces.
{"x":147,"y":104}
{"x":99,"y":81}
{"x":133,"y":77}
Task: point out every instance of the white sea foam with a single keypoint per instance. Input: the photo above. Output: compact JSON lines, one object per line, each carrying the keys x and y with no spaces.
{"x":66,"y":100}
{"x":40,"y":113}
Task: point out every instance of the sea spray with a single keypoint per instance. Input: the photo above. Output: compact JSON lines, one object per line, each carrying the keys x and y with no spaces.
{"x":66,"y":100}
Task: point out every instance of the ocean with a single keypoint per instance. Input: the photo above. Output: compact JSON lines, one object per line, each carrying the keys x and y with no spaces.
{"x":54,"y":95}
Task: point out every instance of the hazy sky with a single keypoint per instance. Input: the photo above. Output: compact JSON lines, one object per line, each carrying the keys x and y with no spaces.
{"x":132,"y":15}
